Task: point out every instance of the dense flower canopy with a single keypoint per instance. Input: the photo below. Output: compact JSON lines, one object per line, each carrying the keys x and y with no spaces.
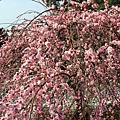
{"x":63,"y":66}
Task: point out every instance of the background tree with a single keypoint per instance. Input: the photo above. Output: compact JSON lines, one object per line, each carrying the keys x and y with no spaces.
{"x":3,"y":36}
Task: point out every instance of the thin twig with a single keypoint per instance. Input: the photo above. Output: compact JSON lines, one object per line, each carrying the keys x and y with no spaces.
{"x":32,"y":99}
{"x":40,"y":3}
{"x":33,"y":20}
{"x":27,"y":12}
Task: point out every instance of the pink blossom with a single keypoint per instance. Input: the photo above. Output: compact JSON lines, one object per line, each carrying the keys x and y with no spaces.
{"x":73,"y":3}
{"x":47,"y":44}
{"x":91,"y":83}
{"x":110,"y":50}
{"x":63,"y":61}
{"x":84,"y":4}
{"x":68,"y":54}
{"x":95,"y":5}
{"x":62,"y":8}
{"x":79,"y":72}
{"x":114,"y":42}
{"x":90,"y":1}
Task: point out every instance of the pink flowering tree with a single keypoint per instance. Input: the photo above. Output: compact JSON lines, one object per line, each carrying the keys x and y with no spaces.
{"x":63,"y":66}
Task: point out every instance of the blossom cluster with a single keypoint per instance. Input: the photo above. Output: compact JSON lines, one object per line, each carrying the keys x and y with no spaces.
{"x":63,"y":66}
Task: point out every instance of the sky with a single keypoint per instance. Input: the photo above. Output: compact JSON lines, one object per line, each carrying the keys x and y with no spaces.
{"x":11,"y":9}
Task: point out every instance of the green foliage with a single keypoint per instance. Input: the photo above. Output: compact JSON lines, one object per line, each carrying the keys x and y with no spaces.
{"x":111,"y":3}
